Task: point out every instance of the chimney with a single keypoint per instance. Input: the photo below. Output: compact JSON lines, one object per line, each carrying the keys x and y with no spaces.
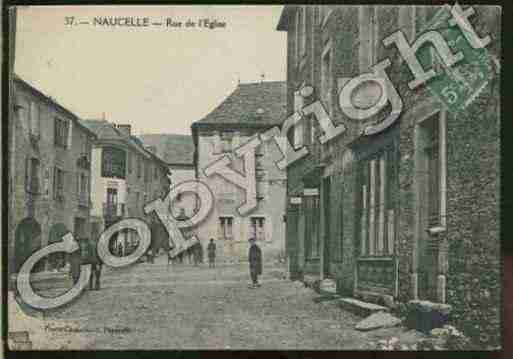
{"x":125,"y":129}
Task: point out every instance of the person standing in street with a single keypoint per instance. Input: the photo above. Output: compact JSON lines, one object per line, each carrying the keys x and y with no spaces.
{"x":255,"y":262}
{"x":196,"y":253}
{"x":211,"y":253}
{"x":96,"y":265}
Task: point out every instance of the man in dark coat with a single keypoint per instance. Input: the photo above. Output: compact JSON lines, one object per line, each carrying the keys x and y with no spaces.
{"x":255,"y":262}
{"x":211,"y":253}
{"x":90,"y":256}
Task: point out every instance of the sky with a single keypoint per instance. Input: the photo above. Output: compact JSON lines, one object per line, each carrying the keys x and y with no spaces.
{"x":158,"y":79}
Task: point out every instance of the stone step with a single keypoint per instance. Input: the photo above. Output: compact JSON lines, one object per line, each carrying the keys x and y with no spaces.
{"x":361,"y":308}
{"x":378,"y":320}
{"x":328,"y":286}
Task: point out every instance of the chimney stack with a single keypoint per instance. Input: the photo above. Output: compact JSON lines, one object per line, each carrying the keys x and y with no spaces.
{"x":125,"y":129}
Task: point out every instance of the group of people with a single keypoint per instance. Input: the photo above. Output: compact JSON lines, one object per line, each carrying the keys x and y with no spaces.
{"x":88,"y":255}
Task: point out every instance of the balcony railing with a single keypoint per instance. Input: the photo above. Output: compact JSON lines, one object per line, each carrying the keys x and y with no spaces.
{"x":112,"y":210}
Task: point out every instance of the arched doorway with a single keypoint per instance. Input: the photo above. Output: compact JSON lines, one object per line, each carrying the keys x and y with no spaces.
{"x":27,"y":240}
{"x":57,"y":231}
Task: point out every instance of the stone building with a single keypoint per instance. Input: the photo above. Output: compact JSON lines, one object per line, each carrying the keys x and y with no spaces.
{"x":177,"y":151}
{"x":250,"y":109}
{"x":49,"y":174}
{"x":411,"y":212}
{"x":124,"y":177}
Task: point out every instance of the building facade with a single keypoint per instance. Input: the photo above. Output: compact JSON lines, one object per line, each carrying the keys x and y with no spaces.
{"x":249,"y":110}
{"x":124,"y":178}
{"x":177,"y":151}
{"x":411,"y":212}
{"x":49,"y":174}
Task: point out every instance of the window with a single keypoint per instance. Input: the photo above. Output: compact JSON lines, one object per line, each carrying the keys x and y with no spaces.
{"x":111,"y":204}
{"x":113,"y":162}
{"x":58,"y":184}
{"x":257,"y":228}
{"x":311,"y":209}
{"x":61,"y":132}
{"x":225,"y":228}
{"x":298,"y":128}
{"x":32,"y":175}
{"x":259,"y":163}
{"x":261,"y":184}
{"x":378,"y":188}
{"x":82,"y":188}
{"x":156,"y":172}
{"x":226,"y":141}
{"x":260,"y":150}
{"x":35,"y":124}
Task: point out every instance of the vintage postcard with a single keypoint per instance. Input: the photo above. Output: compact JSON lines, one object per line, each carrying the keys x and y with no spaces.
{"x":293,"y":177}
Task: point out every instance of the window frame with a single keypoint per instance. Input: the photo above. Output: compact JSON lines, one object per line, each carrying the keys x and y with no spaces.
{"x":59,"y":183}
{"x":32,"y":176}
{"x":35,"y":133}
{"x":225,"y":222}
{"x":378,"y":184}
{"x":113,"y":162}
{"x":260,"y":221}
{"x":61,"y":132}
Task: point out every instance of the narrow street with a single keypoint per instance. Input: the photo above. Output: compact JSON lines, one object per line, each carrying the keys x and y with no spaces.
{"x":152,"y":306}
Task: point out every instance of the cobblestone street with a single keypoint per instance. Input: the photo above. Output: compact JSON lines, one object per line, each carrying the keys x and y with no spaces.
{"x":151,"y":306}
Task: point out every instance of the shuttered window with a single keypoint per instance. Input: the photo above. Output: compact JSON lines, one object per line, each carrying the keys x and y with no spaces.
{"x":378,"y":191}
{"x":225,"y":229}
{"x":58,"y":184}
{"x":257,"y":228}
{"x":61,"y":132}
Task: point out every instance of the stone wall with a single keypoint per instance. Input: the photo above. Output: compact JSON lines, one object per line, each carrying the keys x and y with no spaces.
{"x":45,"y":209}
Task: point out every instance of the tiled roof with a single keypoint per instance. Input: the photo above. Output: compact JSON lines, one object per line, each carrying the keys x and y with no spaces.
{"x":173,"y":149}
{"x":106,"y":131}
{"x":103,"y":129}
{"x":54,"y":103}
{"x":262,"y":103}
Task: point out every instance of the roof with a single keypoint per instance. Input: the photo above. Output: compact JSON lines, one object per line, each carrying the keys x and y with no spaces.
{"x":107,"y":131}
{"x":172,"y":148}
{"x":251,"y":104}
{"x":54,"y":103}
